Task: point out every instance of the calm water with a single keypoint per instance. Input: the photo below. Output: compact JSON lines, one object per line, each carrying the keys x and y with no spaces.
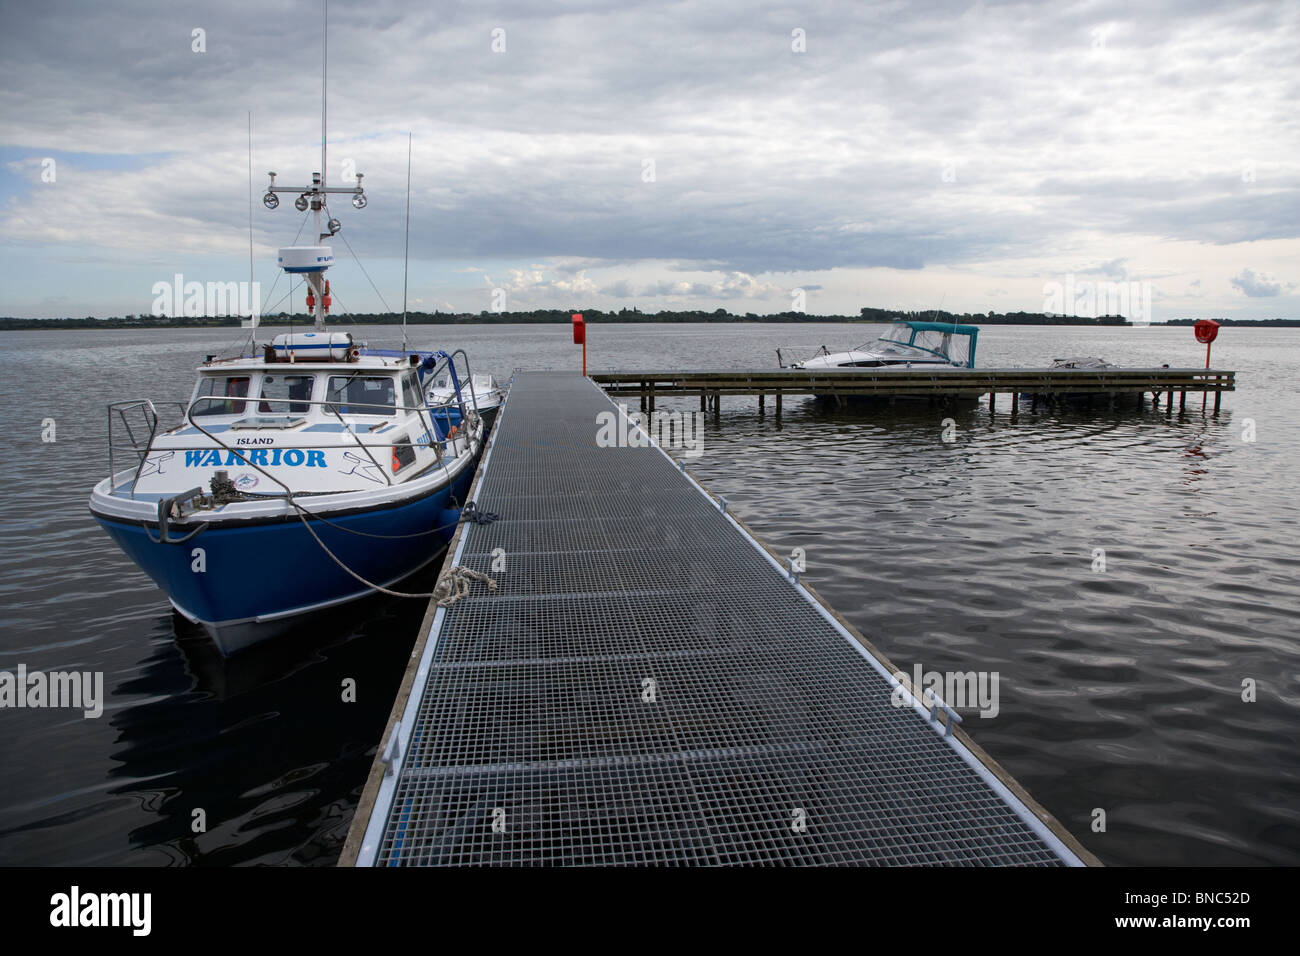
{"x":1120,"y":689}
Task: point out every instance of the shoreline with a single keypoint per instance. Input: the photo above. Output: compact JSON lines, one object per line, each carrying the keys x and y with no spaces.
{"x":625,"y":318}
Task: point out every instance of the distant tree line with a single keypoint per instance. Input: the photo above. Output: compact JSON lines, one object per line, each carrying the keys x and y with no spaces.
{"x":989,"y":318}
{"x":1275,"y":323}
{"x":539,"y":316}
{"x":124,"y":322}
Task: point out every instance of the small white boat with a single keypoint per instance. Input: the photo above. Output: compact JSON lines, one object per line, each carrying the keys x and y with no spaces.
{"x":1088,"y":362}
{"x":445,"y":392}
{"x":906,"y":344}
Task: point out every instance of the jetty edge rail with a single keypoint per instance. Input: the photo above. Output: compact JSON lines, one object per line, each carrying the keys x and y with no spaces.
{"x":650,"y":685}
{"x":379,"y":782}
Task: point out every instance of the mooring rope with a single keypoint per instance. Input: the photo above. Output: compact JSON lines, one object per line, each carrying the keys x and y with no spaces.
{"x":472,"y":514}
{"x":452,"y":585}
{"x":372,"y":534}
{"x":302,"y":515}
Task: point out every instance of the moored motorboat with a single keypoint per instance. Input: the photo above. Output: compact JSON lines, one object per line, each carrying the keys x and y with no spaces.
{"x":288,"y":486}
{"x":906,"y":344}
{"x":445,"y":391}
{"x":1086,"y":362}
{"x":299,"y":476}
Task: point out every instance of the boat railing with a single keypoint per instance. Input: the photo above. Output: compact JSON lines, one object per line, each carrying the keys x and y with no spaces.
{"x":454,"y":377}
{"x":132,"y":426}
{"x":783,"y":354}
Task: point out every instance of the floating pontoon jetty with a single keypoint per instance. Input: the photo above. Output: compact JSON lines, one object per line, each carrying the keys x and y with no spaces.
{"x":938,"y":384}
{"x":649,"y":684}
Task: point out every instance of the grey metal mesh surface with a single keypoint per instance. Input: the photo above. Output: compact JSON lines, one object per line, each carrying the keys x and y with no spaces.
{"x":616,"y":570}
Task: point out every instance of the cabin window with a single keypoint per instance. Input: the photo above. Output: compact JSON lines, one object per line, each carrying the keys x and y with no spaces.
{"x":358,"y":394}
{"x":227,"y":387}
{"x":411,"y":393}
{"x":286,"y":393}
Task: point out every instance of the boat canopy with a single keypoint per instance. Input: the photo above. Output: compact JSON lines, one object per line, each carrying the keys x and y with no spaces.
{"x":948,"y":341}
{"x":942,"y":327}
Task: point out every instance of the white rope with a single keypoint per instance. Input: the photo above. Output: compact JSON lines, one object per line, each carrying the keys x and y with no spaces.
{"x":453,"y":584}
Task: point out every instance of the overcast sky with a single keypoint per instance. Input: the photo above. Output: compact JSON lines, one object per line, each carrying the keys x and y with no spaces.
{"x":661,"y":155}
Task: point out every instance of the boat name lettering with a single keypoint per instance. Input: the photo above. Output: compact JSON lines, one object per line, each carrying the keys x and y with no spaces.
{"x":261,"y":457}
{"x":254,"y":441}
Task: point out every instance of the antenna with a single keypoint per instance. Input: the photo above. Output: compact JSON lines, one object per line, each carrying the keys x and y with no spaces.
{"x":935,"y":314}
{"x":406,"y":258}
{"x":324,"y":59}
{"x":253,"y":308}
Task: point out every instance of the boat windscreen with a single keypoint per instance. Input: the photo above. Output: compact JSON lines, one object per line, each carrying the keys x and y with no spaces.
{"x":897,"y":339}
{"x":902,"y":339}
{"x":281,"y":393}
{"x":358,"y":394}
{"x":212,"y":387}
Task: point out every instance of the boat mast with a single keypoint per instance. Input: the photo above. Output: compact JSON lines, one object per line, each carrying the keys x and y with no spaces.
{"x":324,"y":169}
{"x":318,"y":202}
{"x":406,"y":256}
{"x":311,"y":261}
{"x":254,"y":308}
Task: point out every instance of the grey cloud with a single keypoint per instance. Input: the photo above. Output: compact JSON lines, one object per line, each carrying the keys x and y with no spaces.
{"x":767,"y":161}
{"x":1114,"y":269}
{"x":1255,"y":284}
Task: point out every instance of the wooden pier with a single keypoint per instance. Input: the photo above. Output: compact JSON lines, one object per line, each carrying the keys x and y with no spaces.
{"x":936,"y":384}
{"x":648,"y":683}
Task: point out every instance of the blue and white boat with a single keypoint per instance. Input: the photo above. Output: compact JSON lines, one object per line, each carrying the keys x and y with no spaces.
{"x":289,"y":487}
{"x":295,"y":479}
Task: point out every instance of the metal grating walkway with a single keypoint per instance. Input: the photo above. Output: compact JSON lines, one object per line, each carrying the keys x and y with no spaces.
{"x":528,"y":739}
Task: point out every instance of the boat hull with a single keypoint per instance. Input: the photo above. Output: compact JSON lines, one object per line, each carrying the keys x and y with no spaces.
{"x":248,"y":581}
